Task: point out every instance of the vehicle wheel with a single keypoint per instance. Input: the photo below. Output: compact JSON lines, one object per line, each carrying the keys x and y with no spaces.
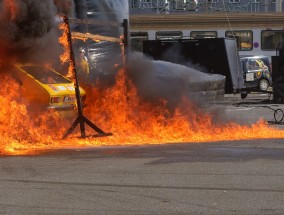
{"x":244,"y":95}
{"x":278,"y":115}
{"x":263,"y":84}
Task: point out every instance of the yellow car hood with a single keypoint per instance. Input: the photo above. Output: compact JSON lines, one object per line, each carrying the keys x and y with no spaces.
{"x":62,"y":89}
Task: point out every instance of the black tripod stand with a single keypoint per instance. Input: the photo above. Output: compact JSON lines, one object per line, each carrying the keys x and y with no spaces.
{"x":81,"y":119}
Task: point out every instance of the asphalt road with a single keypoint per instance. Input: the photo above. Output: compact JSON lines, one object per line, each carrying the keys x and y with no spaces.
{"x":223,"y":178}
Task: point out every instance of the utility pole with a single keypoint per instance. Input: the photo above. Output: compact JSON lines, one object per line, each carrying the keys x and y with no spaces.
{"x":278,"y":5}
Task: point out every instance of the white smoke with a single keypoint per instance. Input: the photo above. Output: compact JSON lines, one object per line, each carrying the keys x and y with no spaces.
{"x":110,"y":9}
{"x":119,"y":7}
{"x":161,"y":79}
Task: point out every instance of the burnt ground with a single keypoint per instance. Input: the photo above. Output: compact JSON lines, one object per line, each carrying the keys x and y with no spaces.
{"x":221,"y":178}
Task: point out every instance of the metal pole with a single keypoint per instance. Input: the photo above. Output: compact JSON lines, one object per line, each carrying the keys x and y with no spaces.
{"x":74,"y":72}
{"x":125,"y":41}
{"x":81,"y":119}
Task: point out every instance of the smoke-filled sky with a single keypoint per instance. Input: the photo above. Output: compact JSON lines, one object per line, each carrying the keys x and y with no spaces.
{"x":29,"y":29}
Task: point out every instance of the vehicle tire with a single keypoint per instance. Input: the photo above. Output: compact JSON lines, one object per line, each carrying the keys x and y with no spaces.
{"x":263,"y":84}
{"x":244,"y":95}
{"x":278,"y":115}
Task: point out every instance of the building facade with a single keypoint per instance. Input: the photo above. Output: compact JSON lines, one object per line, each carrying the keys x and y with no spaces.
{"x":204,"y":6}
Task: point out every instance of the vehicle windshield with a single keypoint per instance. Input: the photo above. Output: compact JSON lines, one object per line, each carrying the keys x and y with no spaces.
{"x":45,"y":75}
{"x":257,"y":64}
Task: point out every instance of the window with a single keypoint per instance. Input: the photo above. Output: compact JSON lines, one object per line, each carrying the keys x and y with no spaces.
{"x":168,"y":35}
{"x":234,"y":1}
{"x":255,"y":1}
{"x":244,"y":39}
{"x":271,"y":39}
{"x":45,"y":75}
{"x":203,"y":34}
{"x":136,"y":40}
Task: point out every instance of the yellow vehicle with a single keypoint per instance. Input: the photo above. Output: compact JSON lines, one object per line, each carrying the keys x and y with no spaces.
{"x":46,"y":88}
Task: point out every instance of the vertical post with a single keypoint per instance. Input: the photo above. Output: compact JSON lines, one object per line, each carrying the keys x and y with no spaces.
{"x":125,"y":40}
{"x":74,"y":72}
{"x":279,"y":5}
{"x":125,"y":32}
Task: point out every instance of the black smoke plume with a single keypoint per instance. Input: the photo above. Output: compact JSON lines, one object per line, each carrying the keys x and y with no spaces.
{"x":29,"y":29}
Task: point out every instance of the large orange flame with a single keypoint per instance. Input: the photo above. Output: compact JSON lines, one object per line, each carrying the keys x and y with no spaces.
{"x":118,"y":110}
{"x":121,"y":111}
{"x":63,"y":40}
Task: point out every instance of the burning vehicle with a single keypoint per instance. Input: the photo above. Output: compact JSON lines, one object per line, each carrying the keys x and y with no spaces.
{"x":154,"y":103}
{"x":44,"y":87}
